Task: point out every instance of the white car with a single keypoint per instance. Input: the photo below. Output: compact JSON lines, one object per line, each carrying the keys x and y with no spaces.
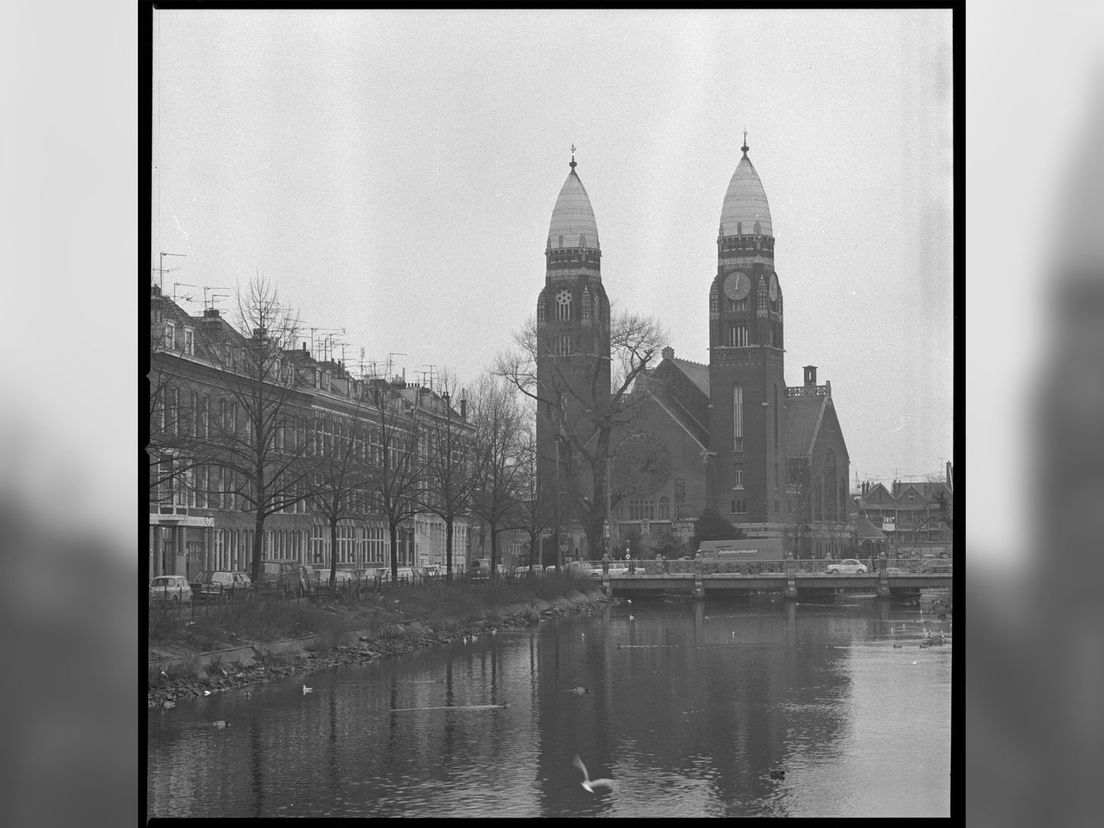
{"x":173,"y":588}
{"x":848,"y":566}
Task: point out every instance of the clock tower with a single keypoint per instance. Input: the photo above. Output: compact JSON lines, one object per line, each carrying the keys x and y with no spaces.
{"x":573,"y":339}
{"x":746,"y":475}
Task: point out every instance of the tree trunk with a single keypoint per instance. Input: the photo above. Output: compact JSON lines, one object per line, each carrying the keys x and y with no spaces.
{"x":258,"y":545}
{"x":448,"y":548}
{"x":393,"y":527}
{"x":494,"y":550}
{"x":333,"y":551}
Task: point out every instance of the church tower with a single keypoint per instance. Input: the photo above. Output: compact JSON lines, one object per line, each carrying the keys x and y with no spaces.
{"x":573,"y":336}
{"x":746,"y":479}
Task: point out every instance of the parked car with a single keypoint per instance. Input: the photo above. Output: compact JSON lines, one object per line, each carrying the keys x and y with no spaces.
{"x":174,"y":588}
{"x":281,"y":576}
{"x":407,"y":575}
{"x":342,"y":577}
{"x":213,"y":585}
{"x":848,"y":566}
{"x":935,"y":565}
{"x":525,"y":572}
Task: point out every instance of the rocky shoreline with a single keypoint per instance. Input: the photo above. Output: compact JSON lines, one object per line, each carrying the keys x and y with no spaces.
{"x":166,"y":688}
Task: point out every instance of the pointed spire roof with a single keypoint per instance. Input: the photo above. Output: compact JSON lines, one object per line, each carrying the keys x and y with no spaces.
{"x":746,"y":201}
{"x":573,"y":217}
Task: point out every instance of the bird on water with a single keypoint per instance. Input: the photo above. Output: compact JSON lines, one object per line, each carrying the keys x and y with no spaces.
{"x":590,"y":785}
{"x":307,"y":689}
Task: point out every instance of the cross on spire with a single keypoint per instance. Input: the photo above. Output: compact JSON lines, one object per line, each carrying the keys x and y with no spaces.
{"x":745,"y":146}
{"x":572,"y":155}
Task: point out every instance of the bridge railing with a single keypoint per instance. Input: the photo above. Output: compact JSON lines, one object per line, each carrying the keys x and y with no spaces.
{"x":801,"y":566}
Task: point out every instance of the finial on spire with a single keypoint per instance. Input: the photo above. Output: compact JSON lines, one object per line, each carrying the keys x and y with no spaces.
{"x":745,"y":146}
{"x":573,"y":155}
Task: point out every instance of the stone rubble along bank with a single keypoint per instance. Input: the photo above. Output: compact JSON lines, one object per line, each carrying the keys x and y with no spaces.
{"x":396,"y":640}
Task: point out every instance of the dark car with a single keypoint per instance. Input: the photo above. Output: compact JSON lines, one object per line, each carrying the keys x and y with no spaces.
{"x":213,"y":585}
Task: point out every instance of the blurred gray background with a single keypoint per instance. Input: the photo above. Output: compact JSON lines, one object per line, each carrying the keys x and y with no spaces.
{"x":1032,"y":276}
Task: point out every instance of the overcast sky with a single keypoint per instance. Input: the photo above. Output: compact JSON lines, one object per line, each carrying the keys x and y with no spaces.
{"x":394,"y":173}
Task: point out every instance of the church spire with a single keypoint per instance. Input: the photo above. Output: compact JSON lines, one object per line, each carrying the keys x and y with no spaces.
{"x":744,"y":148}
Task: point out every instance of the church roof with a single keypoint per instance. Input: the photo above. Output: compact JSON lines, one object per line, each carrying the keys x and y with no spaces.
{"x":802,"y":418}
{"x":573,"y":223}
{"x":745,"y":203}
{"x":695,"y":372}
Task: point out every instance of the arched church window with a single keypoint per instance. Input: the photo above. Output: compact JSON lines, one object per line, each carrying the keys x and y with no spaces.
{"x":563,"y":305}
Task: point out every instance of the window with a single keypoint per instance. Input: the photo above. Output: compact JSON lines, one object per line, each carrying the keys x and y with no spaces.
{"x":563,"y":346}
{"x":737,"y":336}
{"x":714,"y":301}
{"x":737,"y":305}
{"x":680,"y":490}
{"x":776,"y":428}
{"x":737,"y":475}
{"x":171,"y":399}
{"x":563,"y":305}
{"x":189,"y":341}
{"x":739,"y":507}
{"x":737,"y":418}
{"x":168,"y":334}
{"x":664,"y":508}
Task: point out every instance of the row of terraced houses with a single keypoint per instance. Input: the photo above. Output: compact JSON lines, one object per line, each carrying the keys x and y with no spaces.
{"x":200,"y":515}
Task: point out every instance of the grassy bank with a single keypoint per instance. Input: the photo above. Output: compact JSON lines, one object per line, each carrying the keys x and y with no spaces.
{"x":389,"y":621}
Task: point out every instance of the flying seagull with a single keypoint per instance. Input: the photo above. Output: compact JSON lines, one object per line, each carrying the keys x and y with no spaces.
{"x":307,"y":689}
{"x":588,"y":783}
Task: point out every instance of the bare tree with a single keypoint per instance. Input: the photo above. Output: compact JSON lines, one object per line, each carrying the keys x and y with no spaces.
{"x":499,"y":434}
{"x":586,"y":414}
{"x":798,"y":514}
{"x":342,"y":474}
{"x":531,"y":514}
{"x":449,"y":468}
{"x":399,"y":478}
{"x":258,"y":433}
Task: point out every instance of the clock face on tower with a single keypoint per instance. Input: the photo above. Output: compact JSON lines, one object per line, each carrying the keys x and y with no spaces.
{"x":737,"y":285}
{"x":773,"y":288}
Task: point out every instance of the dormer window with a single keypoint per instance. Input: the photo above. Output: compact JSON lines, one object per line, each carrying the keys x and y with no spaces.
{"x":189,"y":341}
{"x":168,"y":334}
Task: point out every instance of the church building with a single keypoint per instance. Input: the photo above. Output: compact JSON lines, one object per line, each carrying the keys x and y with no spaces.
{"x":734,"y":437}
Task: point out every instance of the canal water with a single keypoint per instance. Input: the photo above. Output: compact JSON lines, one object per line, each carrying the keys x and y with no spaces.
{"x":704,"y":708}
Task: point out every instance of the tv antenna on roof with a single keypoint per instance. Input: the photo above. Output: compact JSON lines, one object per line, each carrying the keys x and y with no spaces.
{"x":182,"y":284}
{"x":429,"y":374}
{"x":389,"y":362}
{"x":161,"y":271}
{"x":209,"y":296}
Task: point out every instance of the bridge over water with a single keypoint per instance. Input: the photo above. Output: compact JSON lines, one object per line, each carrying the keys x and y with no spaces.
{"x":793,"y":579}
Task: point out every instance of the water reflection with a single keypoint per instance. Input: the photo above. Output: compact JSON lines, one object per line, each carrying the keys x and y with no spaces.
{"x":689,"y":706}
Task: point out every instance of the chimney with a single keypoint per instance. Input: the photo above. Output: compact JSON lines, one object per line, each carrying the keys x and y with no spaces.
{"x":463,"y":407}
{"x":668,"y":352}
{"x":211,"y":313}
{"x":810,"y":376}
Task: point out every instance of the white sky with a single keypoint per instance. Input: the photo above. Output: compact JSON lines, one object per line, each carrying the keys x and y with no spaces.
{"x":394,"y":173}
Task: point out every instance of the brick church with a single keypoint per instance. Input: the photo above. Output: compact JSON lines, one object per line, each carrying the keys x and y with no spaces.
{"x":729,"y":435}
